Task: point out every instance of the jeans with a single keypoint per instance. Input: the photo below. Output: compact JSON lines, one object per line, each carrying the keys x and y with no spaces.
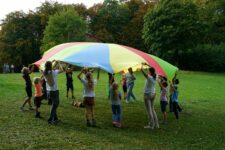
{"x":116,"y":110}
{"x":54,"y":96}
{"x":130,"y":93}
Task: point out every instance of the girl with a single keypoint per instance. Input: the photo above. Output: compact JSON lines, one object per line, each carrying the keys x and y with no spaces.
{"x":163,"y":99}
{"x":115,"y":98}
{"x":26,"y":76}
{"x":50,"y":76}
{"x":149,"y":96}
{"x":89,"y":95}
{"x":130,"y":78}
{"x":38,"y":95}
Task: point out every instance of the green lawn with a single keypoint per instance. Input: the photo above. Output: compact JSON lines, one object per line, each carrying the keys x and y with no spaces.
{"x":201,"y":124}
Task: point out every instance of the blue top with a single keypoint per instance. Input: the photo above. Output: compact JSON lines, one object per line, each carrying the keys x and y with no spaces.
{"x":175,"y":96}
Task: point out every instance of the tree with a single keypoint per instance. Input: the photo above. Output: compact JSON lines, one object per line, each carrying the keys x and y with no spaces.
{"x":132,"y":31}
{"x":18,"y":38}
{"x":171,"y":28}
{"x":110,"y":18}
{"x":66,"y":26}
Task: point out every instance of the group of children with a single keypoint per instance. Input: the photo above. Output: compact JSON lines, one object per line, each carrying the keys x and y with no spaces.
{"x":114,"y":94}
{"x":40,"y":90}
{"x":172,"y":99}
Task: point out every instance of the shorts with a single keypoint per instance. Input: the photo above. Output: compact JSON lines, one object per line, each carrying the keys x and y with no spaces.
{"x":37,"y":101}
{"x":124,"y":88}
{"x":69,"y":86}
{"x":29,"y":91}
{"x":163,"y":105}
{"x":89,"y":101}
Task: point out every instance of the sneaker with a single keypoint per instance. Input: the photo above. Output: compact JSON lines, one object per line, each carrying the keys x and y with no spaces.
{"x":114,"y":123}
{"x":57,"y":121}
{"x":31,"y":108}
{"x":148,"y":127}
{"x":127,"y":101}
{"x":22,"y":108}
{"x":119,"y":125}
{"x":88,"y":123}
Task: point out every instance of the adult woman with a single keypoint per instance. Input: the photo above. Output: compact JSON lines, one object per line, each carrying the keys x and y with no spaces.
{"x":149,"y":96}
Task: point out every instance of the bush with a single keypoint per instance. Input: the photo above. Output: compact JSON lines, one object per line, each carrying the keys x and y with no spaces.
{"x":206,"y":57}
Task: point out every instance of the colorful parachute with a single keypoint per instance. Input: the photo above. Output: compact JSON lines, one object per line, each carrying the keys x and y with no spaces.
{"x":112,"y":58}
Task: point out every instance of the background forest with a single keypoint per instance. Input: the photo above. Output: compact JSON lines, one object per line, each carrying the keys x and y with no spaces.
{"x":188,"y":33}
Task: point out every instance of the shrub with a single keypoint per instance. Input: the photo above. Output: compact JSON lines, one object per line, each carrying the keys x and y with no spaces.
{"x":206,"y":57}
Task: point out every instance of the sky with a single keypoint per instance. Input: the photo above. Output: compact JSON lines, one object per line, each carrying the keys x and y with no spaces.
{"x":8,"y":6}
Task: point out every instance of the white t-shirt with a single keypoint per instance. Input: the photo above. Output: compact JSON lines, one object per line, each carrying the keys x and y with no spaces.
{"x":54,"y":87}
{"x":150,"y":85}
{"x":87,"y":92}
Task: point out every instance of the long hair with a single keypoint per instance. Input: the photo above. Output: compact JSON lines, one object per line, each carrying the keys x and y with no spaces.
{"x":90,"y":81}
{"x":152,"y":72}
{"x":48,"y":67}
{"x":115,"y":91}
{"x":25,"y":70}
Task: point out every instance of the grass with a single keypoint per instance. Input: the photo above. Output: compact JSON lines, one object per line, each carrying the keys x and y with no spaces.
{"x":201,"y":124}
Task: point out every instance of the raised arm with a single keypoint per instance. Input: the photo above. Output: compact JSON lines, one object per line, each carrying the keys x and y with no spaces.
{"x":32,"y":68}
{"x":57,"y":65}
{"x":143,"y":72}
{"x":61,"y":69}
{"x":160,"y":84}
{"x":79,"y":75}
{"x":98,"y":74}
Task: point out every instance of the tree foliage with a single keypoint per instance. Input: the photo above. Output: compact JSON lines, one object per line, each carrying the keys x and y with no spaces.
{"x":66,"y":26}
{"x":171,"y":28}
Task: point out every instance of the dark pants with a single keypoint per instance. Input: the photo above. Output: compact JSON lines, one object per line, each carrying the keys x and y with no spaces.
{"x":170,"y":104}
{"x":176,"y":109}
{"x":54,"y":96}
{"x":116,"y":110}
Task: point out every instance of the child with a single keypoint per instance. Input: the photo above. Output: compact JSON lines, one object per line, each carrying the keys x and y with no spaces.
{"x":43,"y":88}
{"x":130,"y":78}
{"x":176,"y":107}
{"x":163,"y":98}
{"x":38,"y":95}
{"x":124,"y":84}
{"x":115,"y":98}
{"x":26,"y":76}
{"x":89,"y":95}
{"x":51,"y":71}
{"x":69,"y":81}
{"x":111,"y":80}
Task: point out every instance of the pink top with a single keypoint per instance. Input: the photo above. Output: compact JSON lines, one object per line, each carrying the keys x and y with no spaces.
{"x":163,"y":94}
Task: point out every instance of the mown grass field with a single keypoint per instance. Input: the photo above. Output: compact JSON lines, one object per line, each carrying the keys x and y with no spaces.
{"x":201,"y":124}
